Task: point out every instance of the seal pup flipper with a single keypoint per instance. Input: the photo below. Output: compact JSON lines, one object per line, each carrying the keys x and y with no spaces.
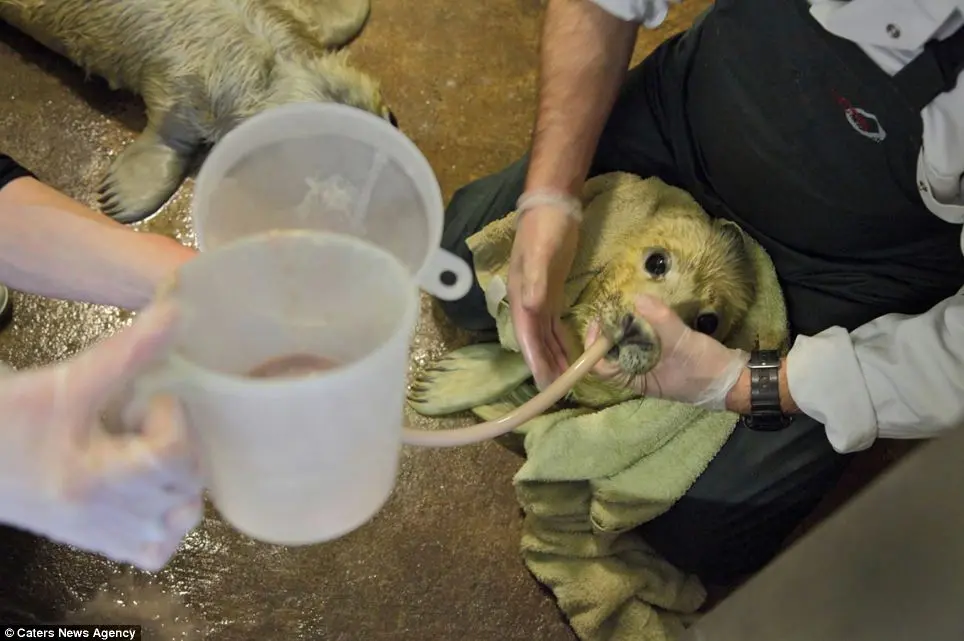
{"x":515,"y":441}
{"x":150,"y":170}
{"x":512,"y":441}
{"x":466,"y":378}
{"x":331,"y":23}
{"x":512,"y":400}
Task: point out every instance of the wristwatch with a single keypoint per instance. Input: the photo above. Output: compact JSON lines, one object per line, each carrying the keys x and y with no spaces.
{"x":765,"y":413}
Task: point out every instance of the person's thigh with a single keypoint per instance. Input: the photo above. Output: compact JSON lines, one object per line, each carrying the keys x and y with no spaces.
{"x":740,"y":511}
{"x":633,"y":141}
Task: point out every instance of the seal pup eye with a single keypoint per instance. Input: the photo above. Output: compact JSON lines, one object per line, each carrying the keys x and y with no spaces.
{"x":656,"y":263}
{"x":707,"y":323}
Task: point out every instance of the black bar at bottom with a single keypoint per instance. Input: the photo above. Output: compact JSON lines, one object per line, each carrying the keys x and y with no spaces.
{"x":54,"y":631}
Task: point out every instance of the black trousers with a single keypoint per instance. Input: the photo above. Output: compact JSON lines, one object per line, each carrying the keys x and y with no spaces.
{"x":761,"y":485}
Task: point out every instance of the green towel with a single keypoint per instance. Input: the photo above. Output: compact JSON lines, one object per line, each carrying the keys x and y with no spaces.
{"x":592,"y":476}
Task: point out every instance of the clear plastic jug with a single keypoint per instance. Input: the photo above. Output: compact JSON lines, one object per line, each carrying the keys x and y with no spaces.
{"x":291,"y":363}
{"x":328,"y":167}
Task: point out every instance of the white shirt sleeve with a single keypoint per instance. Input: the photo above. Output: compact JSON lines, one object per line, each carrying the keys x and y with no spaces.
{"x":651,"y":13}
{"x":898,"y":377}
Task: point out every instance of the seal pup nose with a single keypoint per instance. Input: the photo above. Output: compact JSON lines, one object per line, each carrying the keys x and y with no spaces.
{"x":632,"y":332}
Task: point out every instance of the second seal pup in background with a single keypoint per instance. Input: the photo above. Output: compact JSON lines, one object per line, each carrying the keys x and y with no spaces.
{"x":201,"y":67}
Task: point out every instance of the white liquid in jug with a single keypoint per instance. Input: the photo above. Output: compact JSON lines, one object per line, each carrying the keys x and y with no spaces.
{"x":292,"y":366}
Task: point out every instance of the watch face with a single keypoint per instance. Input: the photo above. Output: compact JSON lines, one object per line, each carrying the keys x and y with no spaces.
{"x":767,"y":422}
{"x":765,"y":358}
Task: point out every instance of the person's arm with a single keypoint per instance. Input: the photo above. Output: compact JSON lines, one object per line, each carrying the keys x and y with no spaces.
{"x":585,"y":53}
{"x":54,"y":246}
{"x":899,"y":377}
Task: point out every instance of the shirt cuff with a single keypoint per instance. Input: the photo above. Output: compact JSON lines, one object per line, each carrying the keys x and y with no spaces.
{"x":651,"y":13}
{"x":826,"y":382}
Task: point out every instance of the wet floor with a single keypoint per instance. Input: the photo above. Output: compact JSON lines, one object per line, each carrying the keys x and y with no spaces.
{"x":440,"y":561}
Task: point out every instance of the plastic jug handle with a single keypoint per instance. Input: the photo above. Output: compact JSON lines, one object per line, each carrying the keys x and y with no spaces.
{"x":446,"y":276}
{"x":160,"y":378}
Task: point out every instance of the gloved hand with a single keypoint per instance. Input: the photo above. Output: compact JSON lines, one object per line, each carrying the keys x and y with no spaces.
{"x":693,"y":367}
{"x":542,"y":254}
{"x":130,"y":496}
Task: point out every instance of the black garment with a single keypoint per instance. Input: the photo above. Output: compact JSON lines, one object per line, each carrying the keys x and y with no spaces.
{"x":10,"y":170}
{"x":805,"y":171}
{"x":750,"y":111}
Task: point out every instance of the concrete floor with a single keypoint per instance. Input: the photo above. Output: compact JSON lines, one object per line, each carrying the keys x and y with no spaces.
{"x":440,"y":561}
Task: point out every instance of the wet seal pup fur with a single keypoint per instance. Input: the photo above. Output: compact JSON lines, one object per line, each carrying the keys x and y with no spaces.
{"x":669,"y":247}
{"x":201,"y":67}
{"x":699,"y":266}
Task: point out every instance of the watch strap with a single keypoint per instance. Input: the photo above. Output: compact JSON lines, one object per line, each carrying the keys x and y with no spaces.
{"x":765,"y":412}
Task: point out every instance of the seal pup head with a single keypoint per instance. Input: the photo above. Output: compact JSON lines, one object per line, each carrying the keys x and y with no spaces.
{"x":698,"y":266}
{"x":326,"y":78}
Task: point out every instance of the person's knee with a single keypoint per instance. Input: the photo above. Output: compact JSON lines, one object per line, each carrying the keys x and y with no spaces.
{"x":471,"y":208}
{"x":469,"y":312}
{"x":478,"y":203}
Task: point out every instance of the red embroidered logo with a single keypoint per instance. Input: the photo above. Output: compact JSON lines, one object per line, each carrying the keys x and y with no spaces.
{"x":864,"y":122}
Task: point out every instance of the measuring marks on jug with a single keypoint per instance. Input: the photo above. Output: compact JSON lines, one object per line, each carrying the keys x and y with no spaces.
{"x":336,"y":197}
{"x":339,"y":202}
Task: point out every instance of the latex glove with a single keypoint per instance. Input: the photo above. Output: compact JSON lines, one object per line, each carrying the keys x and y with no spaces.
{"x":542,"y":254}
{"x":128,"y":496}
{"x":693,"y":368}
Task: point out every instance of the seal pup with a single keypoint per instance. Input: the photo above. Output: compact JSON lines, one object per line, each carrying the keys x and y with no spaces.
{"x":201,"y":67}
{"x":699,"y":266}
